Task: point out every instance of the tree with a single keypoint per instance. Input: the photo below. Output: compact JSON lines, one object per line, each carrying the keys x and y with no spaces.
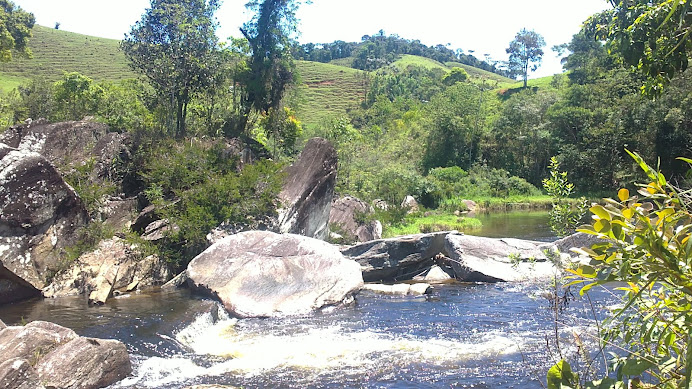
{"x":15,"y":30}
{"x":525,"y":52}
{"x":653,"y":36}
{"x":175,"y":46}
{"x":76,"y":96}
{"x":271,"y":65}
{"x":456,"y":75}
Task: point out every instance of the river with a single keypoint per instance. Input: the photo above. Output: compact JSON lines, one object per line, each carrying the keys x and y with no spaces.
{"x":459,"y":336}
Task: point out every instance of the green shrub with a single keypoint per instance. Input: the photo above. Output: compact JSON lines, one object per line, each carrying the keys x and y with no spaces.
{"x":647,"y":248}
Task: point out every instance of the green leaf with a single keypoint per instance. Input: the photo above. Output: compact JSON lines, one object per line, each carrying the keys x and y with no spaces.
{"x":636,"y":366}
{"x":560,"y":375}
{"x":600,"y":212}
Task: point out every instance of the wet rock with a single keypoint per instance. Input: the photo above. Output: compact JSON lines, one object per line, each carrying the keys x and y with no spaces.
{"x":40,"y":215}
{"x":17,"y":373}
{"x":85,"y":363}
{"x":478,"y":259}
{"x":397,"y":259}
{"x":346,"y":215}
{"x":399,"y":289}
{"x":178,"y":281}
{"x":308,"y":191}
{"x":44,"y":353}
{"x":263,"y":274}
{"x":113,"y":265}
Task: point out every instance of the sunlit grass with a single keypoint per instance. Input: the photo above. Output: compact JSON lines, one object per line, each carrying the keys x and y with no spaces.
{"x":56,"y":52}
{"x":432,"y":223}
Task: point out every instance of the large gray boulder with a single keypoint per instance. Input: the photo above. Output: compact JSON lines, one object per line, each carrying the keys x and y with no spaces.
{"x":345,"y":214}
{"x":40,"y":215}
{"x":263,"y":274}
{"x":308,"y":190}
{"x":73,"y":144}
{"x":43,"y":354}
{"x":479,"y":259}
{"x":397,"y":259}
{"x":114,"y":265}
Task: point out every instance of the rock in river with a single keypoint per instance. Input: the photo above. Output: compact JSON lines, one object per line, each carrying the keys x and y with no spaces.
{"x":264,"y":274}
{"x":45,"y":355}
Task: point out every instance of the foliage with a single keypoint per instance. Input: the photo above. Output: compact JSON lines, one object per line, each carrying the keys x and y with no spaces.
{"x":432,"y":223}
{"x":76,"y":96}
{"x":653,"y":36}
{"x":15,"y":30}
{"x":457,"y":120}
{"x":271,"y":68}
{"x":564,"y":218}
{"x":525,"y":53}
{"x":283,"y":128}
{"x":455,"y":75}
{"x":90,"y":191}
{"x":197,"y":187}
{"x":647,"y":247}
{"x":175,"y":46}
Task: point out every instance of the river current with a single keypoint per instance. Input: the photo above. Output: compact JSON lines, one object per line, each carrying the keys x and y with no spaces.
{"x":459,"y":336}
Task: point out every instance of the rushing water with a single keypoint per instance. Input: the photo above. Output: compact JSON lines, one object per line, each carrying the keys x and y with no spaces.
{"x":461,"y":336}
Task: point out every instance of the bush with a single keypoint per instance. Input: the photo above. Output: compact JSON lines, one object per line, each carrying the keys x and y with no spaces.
{"x":648,"y":249}
{"x":198,"y":188}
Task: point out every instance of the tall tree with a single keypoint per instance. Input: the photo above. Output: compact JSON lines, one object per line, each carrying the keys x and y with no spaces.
{"x":15,"y":30}
{"x":525,"y":52}
{"x":271,"y":66}
{"x":655,"y":36}
{"x":175,"y":47}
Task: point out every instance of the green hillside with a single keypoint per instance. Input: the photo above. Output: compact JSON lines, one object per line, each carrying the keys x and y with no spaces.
{"x":327,"y":90}
{"x":56,"y":52}
{"x":480,"y":73}
{"x":407,"y":60}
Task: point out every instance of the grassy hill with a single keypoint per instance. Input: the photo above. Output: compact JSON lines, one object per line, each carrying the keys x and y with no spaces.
{"x":407,"y":60}
{"x":326,"y":90}
{"x":56,"y":52}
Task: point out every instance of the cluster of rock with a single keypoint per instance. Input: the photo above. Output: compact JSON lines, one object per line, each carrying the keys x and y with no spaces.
{"x":45,"y":355}
{"x":442,"y":256}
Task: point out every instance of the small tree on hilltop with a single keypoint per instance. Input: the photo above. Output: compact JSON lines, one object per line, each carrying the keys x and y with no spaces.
{"x":525,"y":52}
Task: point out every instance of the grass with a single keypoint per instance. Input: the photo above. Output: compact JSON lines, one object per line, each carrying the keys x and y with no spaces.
{"x":513,"y":202}
{"x":432,"y":223}
{"x":56,"y":52}
{"x":480,"y":73}
{"x":407,"y":60}
{"x":326,"y":90}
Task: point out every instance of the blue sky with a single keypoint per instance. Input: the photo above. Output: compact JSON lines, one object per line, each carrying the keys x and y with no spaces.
{"x":486,"y":27}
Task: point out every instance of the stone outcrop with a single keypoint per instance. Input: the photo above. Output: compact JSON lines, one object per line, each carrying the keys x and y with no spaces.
{"x":478,"y":259}
{"x":46,"y":355}
{"x":576,"y":240}
{"x":40,"y":215}
{"x":397,"y":259}
{"x":114,"y":265}
{"x":344,"y":215}
{"x":410,"y":204}
{"x":68,"y":145}
{"x":308,"y":191}
{"x":263,"y":274}
{"x":442,"y":256}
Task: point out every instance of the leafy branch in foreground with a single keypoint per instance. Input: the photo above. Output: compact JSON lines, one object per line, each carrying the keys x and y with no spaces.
{"x":563,"y":216}
{"x":647,"y":250}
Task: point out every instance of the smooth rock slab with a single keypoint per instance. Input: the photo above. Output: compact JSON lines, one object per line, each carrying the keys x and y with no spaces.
{"x":85,"y":363}
{"x":264,"y":274}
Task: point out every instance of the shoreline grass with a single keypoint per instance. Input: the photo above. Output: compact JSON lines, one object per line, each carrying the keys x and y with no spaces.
{"x":432,"y":223}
